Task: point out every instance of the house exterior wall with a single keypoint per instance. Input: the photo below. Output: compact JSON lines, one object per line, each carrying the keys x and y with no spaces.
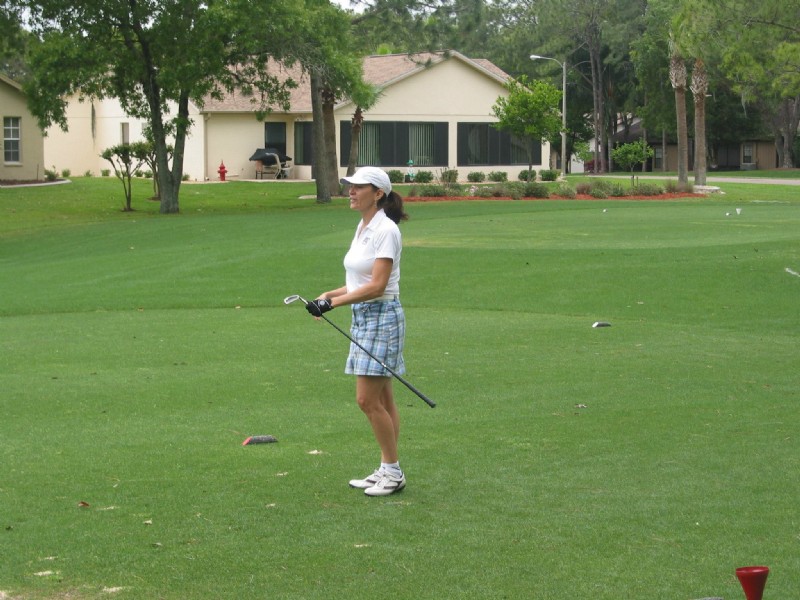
{"x":97,"y":125}
{"x":31,"y":164}
{"x":76,"y":148}
{"x":233,"y":137}
{"x":766,"y":157}
{"x":450,"y":91}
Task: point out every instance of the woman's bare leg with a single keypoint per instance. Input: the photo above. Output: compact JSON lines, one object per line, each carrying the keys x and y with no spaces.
{"x":376,"y":400}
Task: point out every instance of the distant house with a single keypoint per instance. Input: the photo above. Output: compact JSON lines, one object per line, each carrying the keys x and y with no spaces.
{"x":746,"y":155}
{"x":435,"y":109}
{"x":23,"y":144}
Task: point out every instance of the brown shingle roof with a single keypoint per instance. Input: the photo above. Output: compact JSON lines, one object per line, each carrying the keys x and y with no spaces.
{"x":381,"y":70}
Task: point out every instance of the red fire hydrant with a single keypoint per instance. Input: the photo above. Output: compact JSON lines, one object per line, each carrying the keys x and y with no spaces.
{"x":222,"y":170}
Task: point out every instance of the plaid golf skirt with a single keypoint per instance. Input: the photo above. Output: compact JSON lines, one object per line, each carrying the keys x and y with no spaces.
{"x":381,"y":328}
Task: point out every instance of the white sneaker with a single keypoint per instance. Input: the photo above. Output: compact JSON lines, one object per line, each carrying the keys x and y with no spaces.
{"x":367,"y":482}
{"x":388,"y":484}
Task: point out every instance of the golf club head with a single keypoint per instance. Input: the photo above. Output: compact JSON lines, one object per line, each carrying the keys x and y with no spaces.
{"x":293,"y":298}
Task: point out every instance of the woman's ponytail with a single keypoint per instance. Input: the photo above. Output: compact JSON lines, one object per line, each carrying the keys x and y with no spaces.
{"x":392,"y":205}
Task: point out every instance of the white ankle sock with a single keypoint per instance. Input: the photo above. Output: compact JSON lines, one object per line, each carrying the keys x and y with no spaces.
{"x":392,"y":468}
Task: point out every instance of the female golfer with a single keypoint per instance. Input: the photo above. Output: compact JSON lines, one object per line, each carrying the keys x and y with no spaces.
{"x":372,"y":287}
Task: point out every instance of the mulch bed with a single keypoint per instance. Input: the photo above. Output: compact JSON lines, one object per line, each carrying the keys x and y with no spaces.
{"x":673,"y":196}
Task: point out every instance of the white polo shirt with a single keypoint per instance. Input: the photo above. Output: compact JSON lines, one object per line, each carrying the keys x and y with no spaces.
{"x":380,"y":239}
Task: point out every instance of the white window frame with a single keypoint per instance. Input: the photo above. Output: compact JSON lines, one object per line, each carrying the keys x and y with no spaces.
{"x":12,"y":140}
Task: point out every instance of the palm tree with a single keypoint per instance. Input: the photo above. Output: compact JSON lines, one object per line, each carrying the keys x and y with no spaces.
{"x":677,"y":77}
{"x":699,"y":91}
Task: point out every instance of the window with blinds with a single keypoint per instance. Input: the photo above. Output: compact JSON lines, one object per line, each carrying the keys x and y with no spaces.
{"x":369,"y":144}
{"x":421,"y":143}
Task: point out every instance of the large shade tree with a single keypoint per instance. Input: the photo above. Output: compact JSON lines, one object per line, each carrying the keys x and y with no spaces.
{"x":530,"y":112}
{"x":157,"y":56}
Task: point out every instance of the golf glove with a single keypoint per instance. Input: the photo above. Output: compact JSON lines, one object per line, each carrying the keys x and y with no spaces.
{"x":317,"y":307}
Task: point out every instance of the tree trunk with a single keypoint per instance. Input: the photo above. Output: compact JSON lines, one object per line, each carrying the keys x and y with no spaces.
{"x":355,"y":135}
{"x":699,"y":91}
{"x":597,"y":101}
{"x":778,"y":141}
{"x":174,"y":176}
{"x":329,"y":127}
{"x":677,"y":76}
{"x":319,"y":166}
{"x":644,"y":139}
{"x":167,"y":182}
{"x":787,"y":117}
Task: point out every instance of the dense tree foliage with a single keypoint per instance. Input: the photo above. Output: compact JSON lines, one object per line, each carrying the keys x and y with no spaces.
{"x":156,"y":56}
{"x":626,"y":60}
{"x":742,"y":61}
{"x":530,"y":112}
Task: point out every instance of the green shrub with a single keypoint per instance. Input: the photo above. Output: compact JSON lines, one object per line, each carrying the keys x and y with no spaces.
{"x":515,"y":191}
{"x":598,"y":192}
{"x":448,"y":176}
{"x":583,"y":187}
{"x":566,"y":190}
{"x":523,"y":175}
{"x":536,"y":190}
{"x":396,"y":176}
{"x":454,"y":189}
{"x":602,"y":186}
{"x":476,"y":176}
{"x":673,"y":187}
{"x":484,"y":191}
{"x":549,"y":174}
{"x":423,"y":177}
{"x":105,"y":172}
{"x":647,"y":189}
{"x":65,"y":173}
{"x":498,"y":176}
{"x":88,"y":174}
{"x":50,"y":174}
{"x":499,"y":190}
{"x":617,"y":189}
{"x":435,"y":191}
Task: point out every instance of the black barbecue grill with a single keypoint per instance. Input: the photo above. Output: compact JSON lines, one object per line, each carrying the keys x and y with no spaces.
{"x":271,"y":163}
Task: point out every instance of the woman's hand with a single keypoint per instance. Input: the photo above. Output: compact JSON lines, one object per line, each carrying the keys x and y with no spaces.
{"x":319,"y":306}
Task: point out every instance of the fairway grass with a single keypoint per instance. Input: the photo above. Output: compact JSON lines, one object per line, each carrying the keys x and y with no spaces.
{"x":644,"y":460}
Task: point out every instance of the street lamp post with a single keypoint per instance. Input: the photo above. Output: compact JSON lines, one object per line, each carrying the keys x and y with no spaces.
{"x":563,"y":108}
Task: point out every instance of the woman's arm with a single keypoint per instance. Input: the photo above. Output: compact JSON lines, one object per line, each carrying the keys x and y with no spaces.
{"x":332,"y":293}
{"x":381,"y":270}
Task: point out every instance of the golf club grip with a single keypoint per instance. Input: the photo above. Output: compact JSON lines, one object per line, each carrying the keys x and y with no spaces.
{"x":422,"y":396}
{"x":427,"y":400}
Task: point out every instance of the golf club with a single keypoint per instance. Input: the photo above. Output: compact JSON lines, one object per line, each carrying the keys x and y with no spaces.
{"x":428,"y":401}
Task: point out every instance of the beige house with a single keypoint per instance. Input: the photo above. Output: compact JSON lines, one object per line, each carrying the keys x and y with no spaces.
{"x":95,"y":125}
{"x":23,"y":145}
{"x":435,"y":109}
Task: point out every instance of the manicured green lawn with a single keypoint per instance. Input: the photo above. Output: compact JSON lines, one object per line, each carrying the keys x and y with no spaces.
{"x":643,"y":460}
